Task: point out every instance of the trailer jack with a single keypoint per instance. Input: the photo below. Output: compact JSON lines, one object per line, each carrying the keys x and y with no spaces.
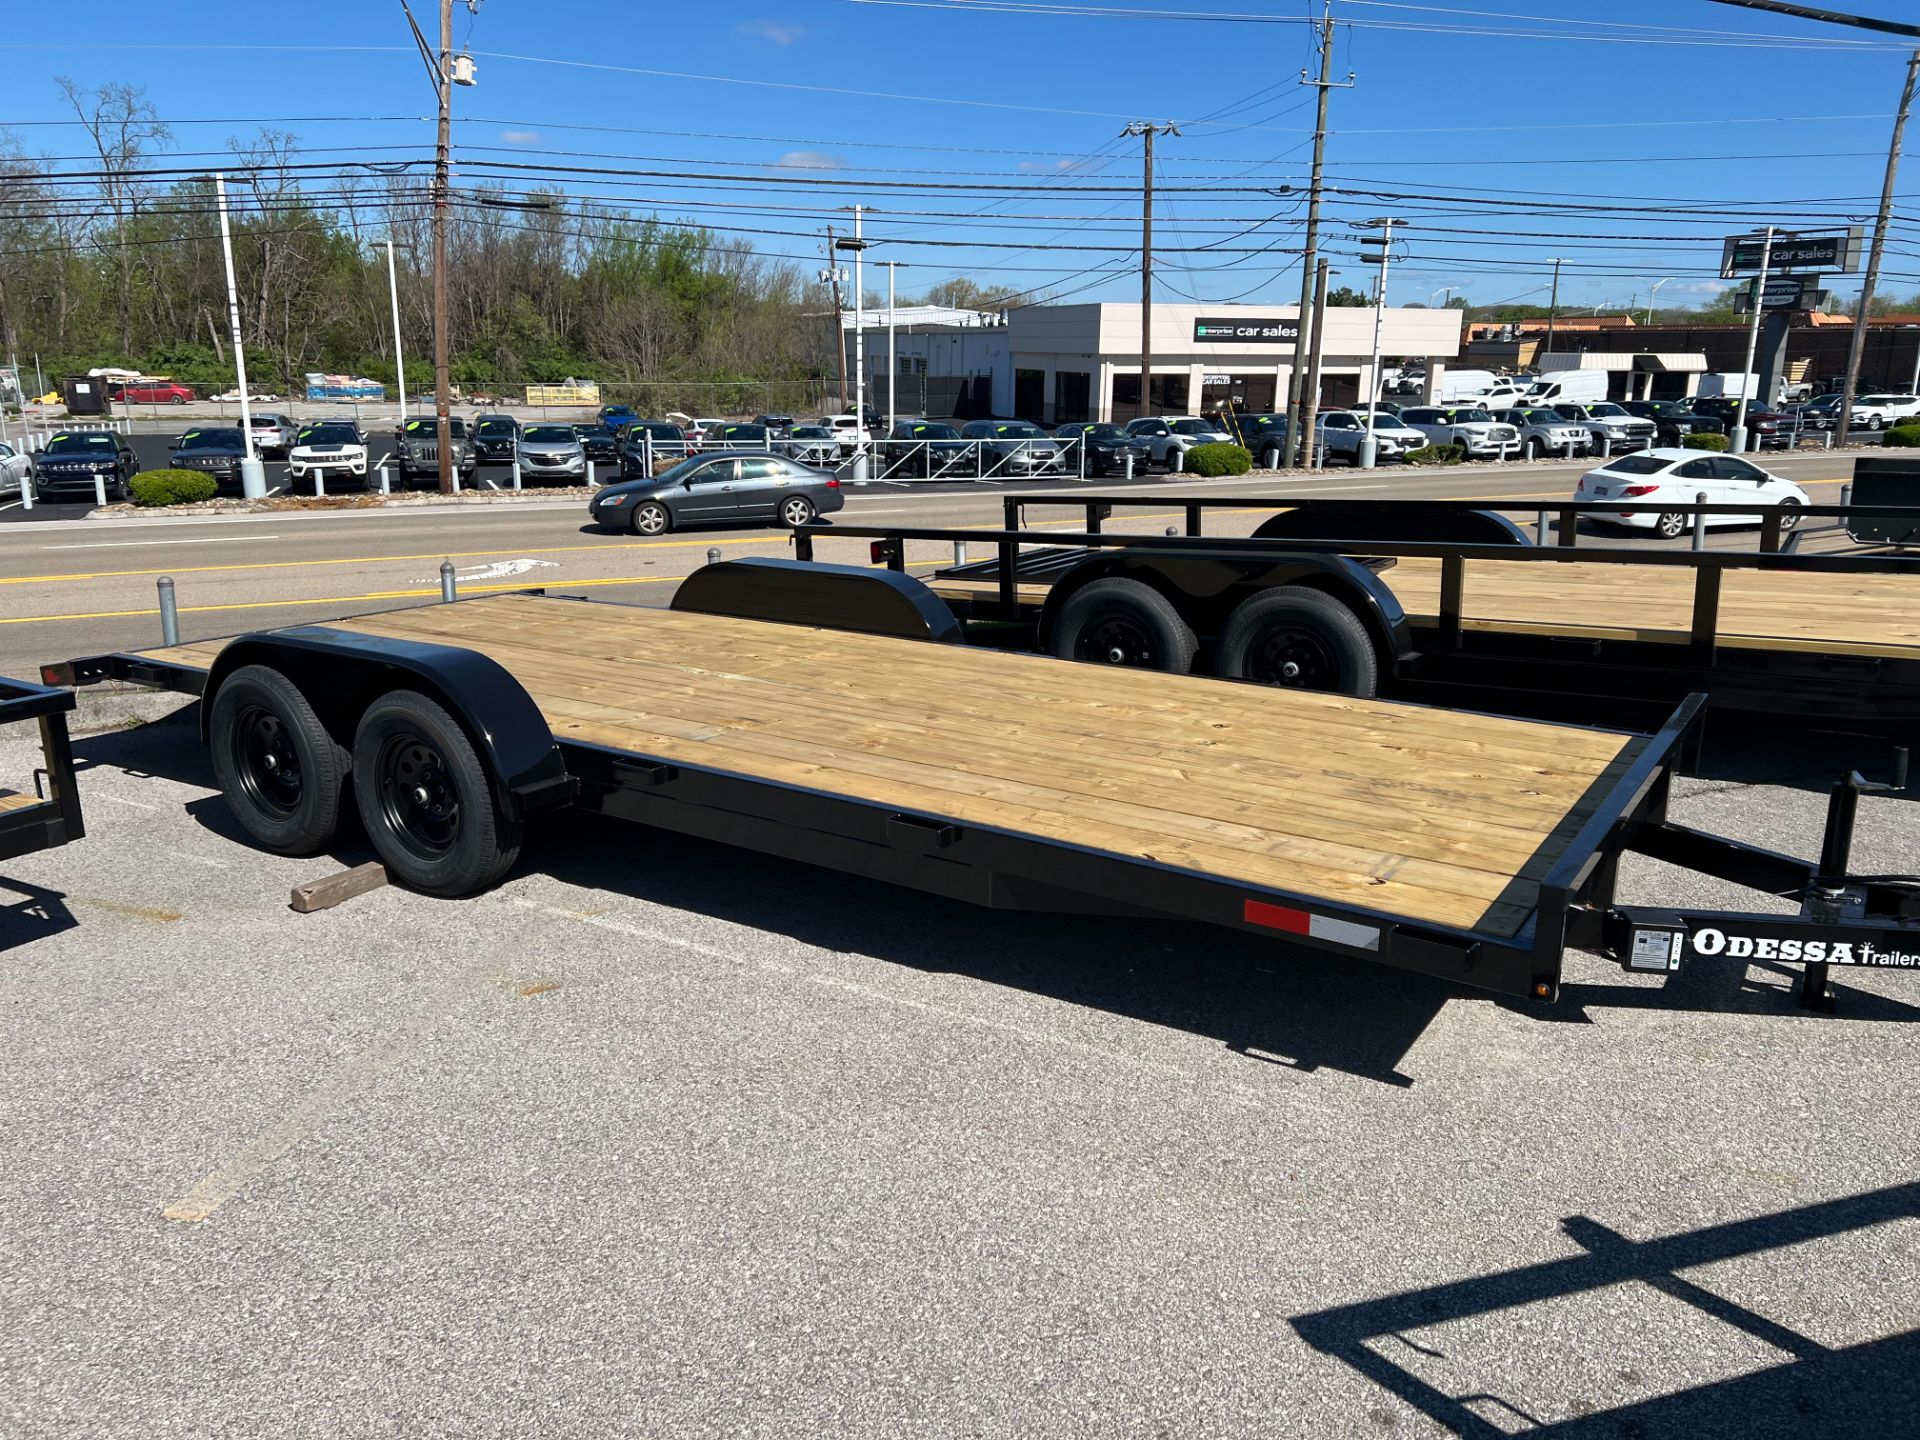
{"x":1870,"y":921}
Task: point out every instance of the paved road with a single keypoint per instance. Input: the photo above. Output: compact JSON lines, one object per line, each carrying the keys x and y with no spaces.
{"x":87,"y":586}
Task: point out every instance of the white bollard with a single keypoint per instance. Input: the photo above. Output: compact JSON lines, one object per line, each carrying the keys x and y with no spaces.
{"x":386,"y":486}
{"x":100,"y":491}
{"x":590,"y":479}
{"x":455,"y":473}
{"x":26,"y":491}
{"x":319,"y":483}
{"x":516,"y":472}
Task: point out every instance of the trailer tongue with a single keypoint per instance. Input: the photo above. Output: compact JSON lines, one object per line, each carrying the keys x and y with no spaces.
{"x":1464,"y":846}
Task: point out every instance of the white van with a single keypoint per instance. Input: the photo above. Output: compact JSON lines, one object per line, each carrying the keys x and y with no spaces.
{"x":1572,"y":387}
{"x":1457,"y":386}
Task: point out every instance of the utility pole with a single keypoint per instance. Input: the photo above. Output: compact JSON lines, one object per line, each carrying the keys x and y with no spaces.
{"x":1857,"y":346}
{"x":1385,"y":224}
{"x":832,"y":277}
{"x":1738,"y":440}
{"x":253,"y":479}
{"x":399,"y":365}
{"x":1553,"y":309}
{"x":1146,"y":129}
{"x":443,"y":432}
{"x":1302,"y":406}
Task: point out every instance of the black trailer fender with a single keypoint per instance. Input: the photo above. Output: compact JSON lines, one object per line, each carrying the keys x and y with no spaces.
{"x":341,"y":673}
{"x":832,"y":597}
{"x":1206,"y":585}
{"x":1408,"y":521}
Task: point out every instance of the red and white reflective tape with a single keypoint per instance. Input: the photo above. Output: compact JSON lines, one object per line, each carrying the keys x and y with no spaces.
{"x":1315,"y":927}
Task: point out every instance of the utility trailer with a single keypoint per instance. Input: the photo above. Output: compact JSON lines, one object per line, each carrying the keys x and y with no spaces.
{"x":1447,"y":602}
{"x":50,"y":814}
{"x":836,"y":716}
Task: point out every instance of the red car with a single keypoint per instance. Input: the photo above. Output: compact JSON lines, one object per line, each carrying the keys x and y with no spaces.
{"x":155,"y":392}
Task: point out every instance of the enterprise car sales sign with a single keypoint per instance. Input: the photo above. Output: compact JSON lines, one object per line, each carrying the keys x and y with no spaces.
{"x":1245,"y":331}
{"x":1740,"y":254}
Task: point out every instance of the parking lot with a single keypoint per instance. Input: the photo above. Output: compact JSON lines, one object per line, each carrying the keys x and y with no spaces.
{"x":665,"y":1136}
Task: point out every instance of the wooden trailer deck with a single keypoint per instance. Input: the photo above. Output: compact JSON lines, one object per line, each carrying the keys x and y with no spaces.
{"x":1434,"y":815}
{"x":1809,"y":611}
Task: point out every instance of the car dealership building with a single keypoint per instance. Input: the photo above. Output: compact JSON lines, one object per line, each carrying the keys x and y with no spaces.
{"x":1057,"y":363}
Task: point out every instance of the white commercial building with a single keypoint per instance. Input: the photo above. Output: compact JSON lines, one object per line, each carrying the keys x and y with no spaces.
{"x":1057,"y":363}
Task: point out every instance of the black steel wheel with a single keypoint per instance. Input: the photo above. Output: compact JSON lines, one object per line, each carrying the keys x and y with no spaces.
{"x":278,"y":767}
{"x":1670,"y":525}
{"x":650,"y":517}
{"x":427,"y":800}
{"x":1789,"y":515}
{"x":1299,"y":639}
{"x":1124,"y":622}
{"x":796,"y":510}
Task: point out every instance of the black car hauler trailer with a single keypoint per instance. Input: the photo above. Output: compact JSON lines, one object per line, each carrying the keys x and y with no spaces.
{"x":1450,"y":603}
{"x":835,"y":716}
{"x":50,"y":815}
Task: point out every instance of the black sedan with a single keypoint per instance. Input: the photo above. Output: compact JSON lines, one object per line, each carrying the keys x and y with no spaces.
{"x":1105,"y":446}
{"x":216,"y":451}
{"x":68,"y":464}
{"x":750,"y":486}
{"x":598,"y":441}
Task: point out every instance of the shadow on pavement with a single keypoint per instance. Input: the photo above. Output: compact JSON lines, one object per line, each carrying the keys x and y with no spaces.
{"x":1869,"y":1388}
{"x":28,"y":913}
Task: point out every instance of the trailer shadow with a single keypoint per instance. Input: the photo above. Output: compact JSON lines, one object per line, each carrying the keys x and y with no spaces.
{"x":29,"y":913}
{"x":1420,"y":1346}
{"x":1269,"y":1004}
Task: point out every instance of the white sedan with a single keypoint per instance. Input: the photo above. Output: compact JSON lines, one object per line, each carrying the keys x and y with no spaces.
{"x":14,"y":468}
{"x":1682,"y":477}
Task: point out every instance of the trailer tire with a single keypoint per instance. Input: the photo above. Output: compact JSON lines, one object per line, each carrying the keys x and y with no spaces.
{"x":426,"y":799}
{"x":1299,"y":639}
{"x":280,"y":770}
{"x":1124,"y":622}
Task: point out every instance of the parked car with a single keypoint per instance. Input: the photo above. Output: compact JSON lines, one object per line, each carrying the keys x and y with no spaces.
{"x":698,"y":432}
{"x":1613,"y":428}
{"x":617,"y":417}
{"x":848,"y":430}
{"x":1265,"y":437}
{"x":1016,"y":447}
{"x":1820,"y":413}
{"x":328,"y":447}
{"x":1724,"y":408}
{"x":232,"y":397}
{"x":810,"y":445}
{"x":1771,"y":429}
{"x":495,"y":437}
{"x":1877,"y":412}
{"x":1165,"y":439}
{"x":153,"y":392}
{"x":718,"y":489}
{"x":1673,"y":421}
{"x":214,"y":450}
{"x":418,"y":448}
{"x":598,"y":442}
{"x":1105,"y":446}
{"x":272,"y":434}
{"x":551,"y":452}
{"x":1465,"y":425}
{"x":14,"y":468}
{"x":1547,"y":432}
{"x":1341,"y":432}
{"x":733,"y":435}
{"x":777,"y":425}
{"x":642,"y":439}
{"x":67,"y":464}
{"x":929,"y":448}
{"x":1675,"y":476}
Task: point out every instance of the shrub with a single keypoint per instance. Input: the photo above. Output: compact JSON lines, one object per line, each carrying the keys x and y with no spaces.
{"x":1437,"y":455}
{"x":1906,"y":436}
{"x":1217,"y":459}
{"x":172,"y":487}
{"x":1704,"y":442}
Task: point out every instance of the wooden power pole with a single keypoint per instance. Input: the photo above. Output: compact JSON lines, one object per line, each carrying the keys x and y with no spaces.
{"x":1863,"y":316}
{"x":1146,"y":130}
{"x":443,"y":432}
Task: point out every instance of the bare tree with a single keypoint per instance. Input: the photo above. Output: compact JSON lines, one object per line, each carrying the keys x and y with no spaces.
{"x":122,"y":125}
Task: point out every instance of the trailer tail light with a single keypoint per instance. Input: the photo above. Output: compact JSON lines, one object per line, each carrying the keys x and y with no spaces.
{"x":1632,"y":492}
{"x":1314,"y":927}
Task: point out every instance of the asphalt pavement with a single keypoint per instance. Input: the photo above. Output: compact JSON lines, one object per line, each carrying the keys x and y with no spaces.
{"x":666,"y":1139}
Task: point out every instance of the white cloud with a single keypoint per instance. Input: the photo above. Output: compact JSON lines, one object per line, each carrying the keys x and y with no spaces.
{"x":807,"y":160}
{"x":520,"y":137}
{"x":774,"y":32}
{"x":1032,"y":165}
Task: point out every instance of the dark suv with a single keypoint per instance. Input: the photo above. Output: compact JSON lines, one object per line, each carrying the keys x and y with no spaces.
{"x":215,"y":451}
{"x":494,"y":439}
{"x":1674,"y":420}
{"x":72,"y":458}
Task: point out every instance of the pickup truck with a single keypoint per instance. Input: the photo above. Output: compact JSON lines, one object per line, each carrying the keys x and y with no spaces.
{"x":1544,"y":431}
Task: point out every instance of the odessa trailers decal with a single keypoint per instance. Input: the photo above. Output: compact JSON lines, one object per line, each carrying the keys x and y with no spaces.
{"x":1787,"y":942}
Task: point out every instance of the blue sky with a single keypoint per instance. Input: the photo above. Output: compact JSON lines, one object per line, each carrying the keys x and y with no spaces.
{"x":1551,"y":127}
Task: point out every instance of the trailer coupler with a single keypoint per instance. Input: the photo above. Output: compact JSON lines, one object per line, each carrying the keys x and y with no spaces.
{"x":1868,"y":921}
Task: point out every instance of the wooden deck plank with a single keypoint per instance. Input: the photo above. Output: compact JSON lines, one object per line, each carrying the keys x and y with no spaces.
{"x":13,"y":800}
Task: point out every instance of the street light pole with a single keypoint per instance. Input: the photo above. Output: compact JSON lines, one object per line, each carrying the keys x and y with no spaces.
{"x":1369,"y":447}
{"x":1651,"y":294}
{"x":1738,"y":440}
{"x":253,"y":478}
{"x":893,"y":359}
{"x":399,"y":365}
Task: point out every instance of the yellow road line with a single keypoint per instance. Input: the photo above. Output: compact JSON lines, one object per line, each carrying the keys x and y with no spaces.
{"x":381,"y":559}
{"x":329,"y":600}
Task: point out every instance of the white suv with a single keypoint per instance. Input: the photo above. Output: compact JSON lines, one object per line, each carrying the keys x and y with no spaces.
{"x":1465,"y":425}
{"x":1876,"y":412}
{"x":1165,"y":439}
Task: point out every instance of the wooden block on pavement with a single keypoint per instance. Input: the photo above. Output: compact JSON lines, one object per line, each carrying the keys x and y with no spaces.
{"x":321,"y":894}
